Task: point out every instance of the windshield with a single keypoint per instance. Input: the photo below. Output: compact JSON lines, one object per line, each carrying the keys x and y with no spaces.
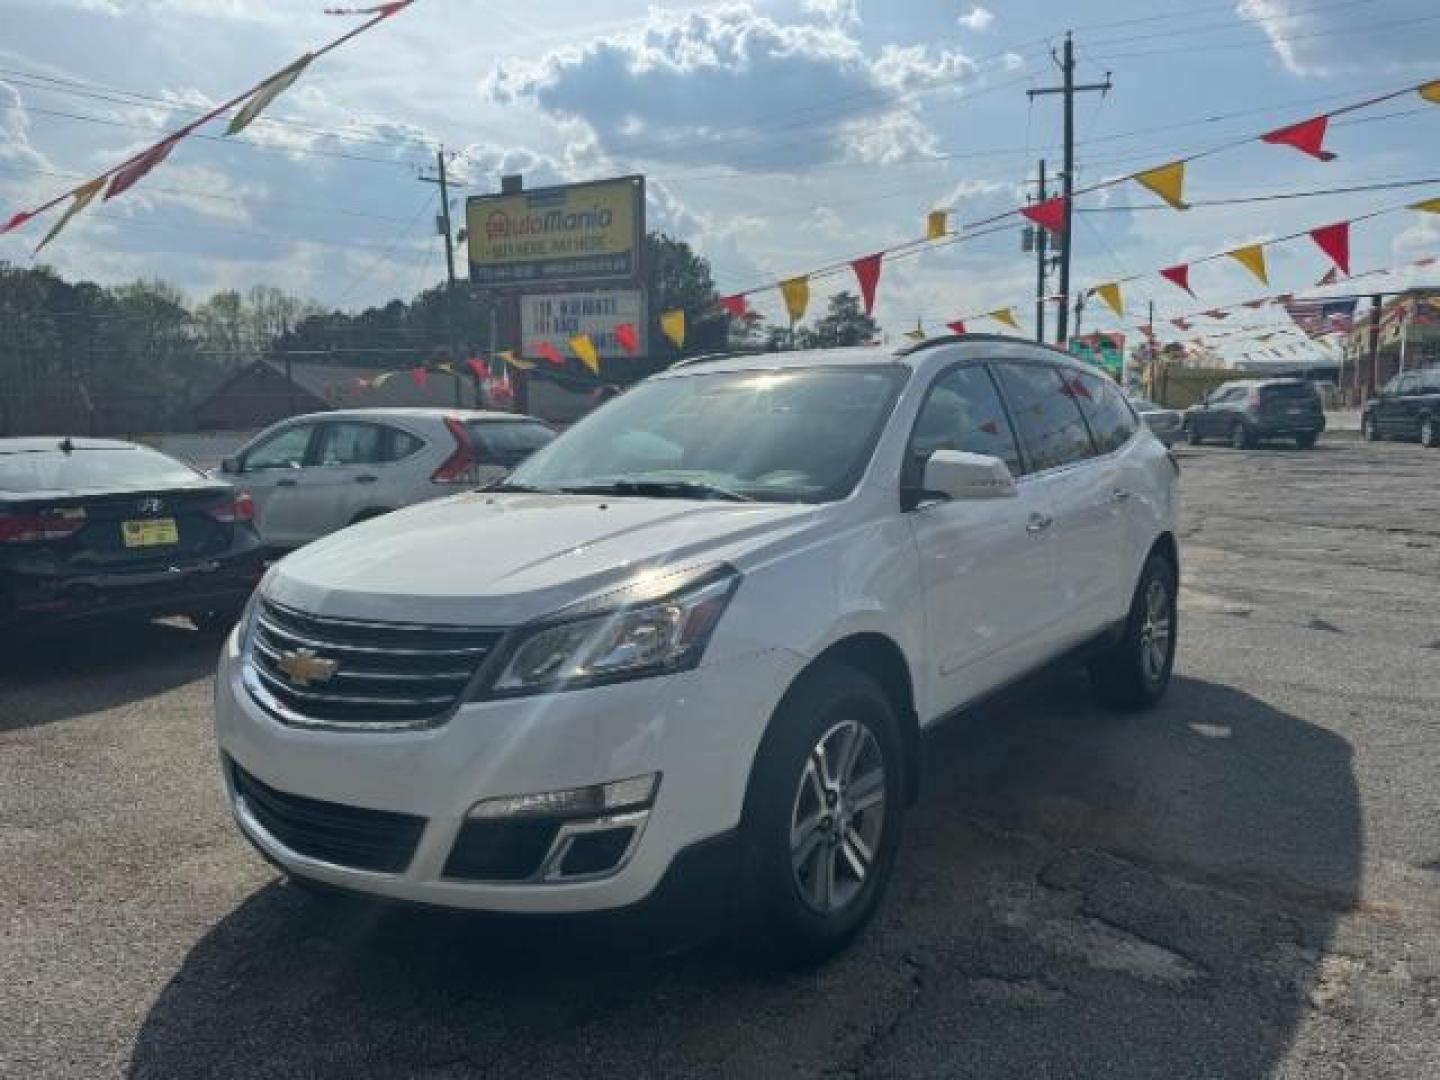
{"x":90,"y":469}
{"x":509,"y":442}
{"x":796,"y":435}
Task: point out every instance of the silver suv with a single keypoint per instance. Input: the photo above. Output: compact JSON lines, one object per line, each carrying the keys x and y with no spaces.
{"x":311,"y":475}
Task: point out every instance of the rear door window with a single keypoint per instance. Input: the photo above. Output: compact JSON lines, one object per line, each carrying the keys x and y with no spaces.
{"x":508,"y":442}
{"x":1105,"y":409}
{"x":1051,"y":428}
{"x":348,"y":443}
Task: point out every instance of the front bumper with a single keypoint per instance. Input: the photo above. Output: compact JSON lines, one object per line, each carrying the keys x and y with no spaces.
{"x":699,"y":730}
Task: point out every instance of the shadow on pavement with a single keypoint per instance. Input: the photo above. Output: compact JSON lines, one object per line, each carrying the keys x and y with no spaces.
{"x":1079,"y":894}
{"x":82,"y":670}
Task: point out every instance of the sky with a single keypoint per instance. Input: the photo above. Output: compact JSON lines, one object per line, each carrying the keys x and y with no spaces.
{"x":776,"y":137}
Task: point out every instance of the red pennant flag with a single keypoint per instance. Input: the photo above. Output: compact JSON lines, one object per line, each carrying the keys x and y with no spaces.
{"x":15,"y":222}
{"x":735,"y":305}
{"x":131,"y":174}
{"x":867,"y":272}
{"x":479,"y":367}
{"x":957,"y":326}
{"x":419,"y":375}
{"x":1050,"y":214}
{"x":627,"y":337}
{"x":1180,"y":324}
{"x":1334,"y":240}
{"x":1179,"y":275}
{"x":1306,"y":136}
{"x":546,"y":351}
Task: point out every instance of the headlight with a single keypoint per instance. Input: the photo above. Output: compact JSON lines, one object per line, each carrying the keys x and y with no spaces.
{"x":252,"y":612}
{"x":630,"y":640}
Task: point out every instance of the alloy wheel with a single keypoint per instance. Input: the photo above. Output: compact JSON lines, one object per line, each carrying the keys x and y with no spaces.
{"x":1156,"y":630}
{"x":837,"y":817}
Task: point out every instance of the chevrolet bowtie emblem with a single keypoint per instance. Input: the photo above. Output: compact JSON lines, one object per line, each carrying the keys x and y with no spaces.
{"x":302,"y":667}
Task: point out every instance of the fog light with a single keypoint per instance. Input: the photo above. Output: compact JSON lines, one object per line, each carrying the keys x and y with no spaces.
{"x":586,"y":802}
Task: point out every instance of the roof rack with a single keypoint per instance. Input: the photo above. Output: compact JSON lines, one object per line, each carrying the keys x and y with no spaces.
{"x":953,"y":339}
{"x":730,"y":354}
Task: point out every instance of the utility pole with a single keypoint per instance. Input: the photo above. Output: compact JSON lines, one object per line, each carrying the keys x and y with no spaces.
{"x":1067,"y":178}
{"x":442,"y":223}
{"x":1041,"y":245}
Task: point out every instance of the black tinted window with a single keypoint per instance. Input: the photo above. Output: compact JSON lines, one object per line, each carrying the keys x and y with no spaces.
{"x":90,"y":470}
{"x":1288,"y":392}
{"x":963,"y":412}
{"x":1430,"y":381}
{"x":1106,"y":411}
{"x":1044,"y":408}
{"x":402,"y":445}
{"x":509,"y":442}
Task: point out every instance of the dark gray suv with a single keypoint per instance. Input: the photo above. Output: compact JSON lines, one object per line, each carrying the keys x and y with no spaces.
{"x":1407,"y":408}
{"x":1249,"y":411}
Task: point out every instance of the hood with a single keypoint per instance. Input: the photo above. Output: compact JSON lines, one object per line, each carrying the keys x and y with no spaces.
{"x":483,"y":559}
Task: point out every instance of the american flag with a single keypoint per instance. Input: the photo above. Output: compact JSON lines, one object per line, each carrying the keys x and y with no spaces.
{"x":1320,"y":317}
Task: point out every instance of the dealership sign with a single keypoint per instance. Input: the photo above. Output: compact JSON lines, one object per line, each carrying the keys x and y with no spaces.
{"x":574,"y":234}
{"x":554,"y":318}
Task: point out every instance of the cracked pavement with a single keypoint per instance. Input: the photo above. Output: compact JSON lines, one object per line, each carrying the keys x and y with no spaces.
{"x":1244,"y":883}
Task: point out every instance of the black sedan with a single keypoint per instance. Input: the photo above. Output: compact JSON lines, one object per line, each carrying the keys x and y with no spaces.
{"x":98,"y":527}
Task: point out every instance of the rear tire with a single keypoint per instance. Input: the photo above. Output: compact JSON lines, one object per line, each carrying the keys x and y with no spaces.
{"x":1306,"y":441}
{"x":1430,"y":432}
{"x":1135,"y":672}
{"x":1192,"y":435}
{"x":823,"y":817}
{"x":1240,"y":437}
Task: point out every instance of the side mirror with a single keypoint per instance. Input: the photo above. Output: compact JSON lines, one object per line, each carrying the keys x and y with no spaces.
{"x":230,"y":465}
{"x":955,"y":474}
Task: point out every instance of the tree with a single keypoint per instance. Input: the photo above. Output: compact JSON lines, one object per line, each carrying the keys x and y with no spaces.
{"x":843,"y":324}
{"x":678,"y":278}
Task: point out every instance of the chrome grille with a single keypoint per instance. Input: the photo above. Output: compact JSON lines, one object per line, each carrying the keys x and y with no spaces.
{"x":375,"y":675}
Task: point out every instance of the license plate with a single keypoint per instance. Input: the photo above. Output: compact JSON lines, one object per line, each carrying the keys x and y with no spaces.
{"x":153,"y":532}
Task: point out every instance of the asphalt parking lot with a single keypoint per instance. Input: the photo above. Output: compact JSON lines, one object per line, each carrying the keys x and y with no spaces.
{"x":1244,"y":883}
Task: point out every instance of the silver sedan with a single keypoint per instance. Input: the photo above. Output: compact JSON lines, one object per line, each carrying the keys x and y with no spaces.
{"x":1167,"y":424}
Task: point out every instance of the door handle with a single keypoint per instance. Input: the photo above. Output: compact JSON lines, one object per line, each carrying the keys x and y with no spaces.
{"x":1038,"y":523}
{"x":366,"y":479}
{"x":1121,"y":495}
{"x":286,"y":483}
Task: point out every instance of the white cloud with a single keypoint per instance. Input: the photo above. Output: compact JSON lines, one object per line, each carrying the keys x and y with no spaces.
{"x":977,"y":19}
{"x":841,"y":12}
{"x":1329,"y":39}
{"x":729,"y":86}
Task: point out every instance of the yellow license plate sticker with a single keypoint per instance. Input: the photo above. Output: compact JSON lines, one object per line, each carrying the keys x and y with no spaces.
{"x":153,"y":532}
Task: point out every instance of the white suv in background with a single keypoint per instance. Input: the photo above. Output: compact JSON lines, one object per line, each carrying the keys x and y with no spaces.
{"x":311,"y":475}
{"x":698,"y":637}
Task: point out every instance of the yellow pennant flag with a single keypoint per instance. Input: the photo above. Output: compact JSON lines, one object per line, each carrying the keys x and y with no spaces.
{"x":1167,"y":181}
{"x":1431,"y":91}
{"x":267,"y":92}
{"x":83,"y":195}
{"x":1252,"y":257}
{"x":935,"y":224}
{"x":672,"y":325}
{"x":584,"y":348}
{"x":1006,"y":316}
{"x":509,"y":357}
{"x":797,"y":296}
{"x":1110,"y":293}
{"x":1429,"y":206}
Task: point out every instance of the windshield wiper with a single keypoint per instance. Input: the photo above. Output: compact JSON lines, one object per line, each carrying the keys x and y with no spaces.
{"x":660,"y":489}
{"x":506,"y":485}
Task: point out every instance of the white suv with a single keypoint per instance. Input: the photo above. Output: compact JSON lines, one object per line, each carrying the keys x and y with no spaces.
{"x":311,"y":475}
{"x":697,"y":638}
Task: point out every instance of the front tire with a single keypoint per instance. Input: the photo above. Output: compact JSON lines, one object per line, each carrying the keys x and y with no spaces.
{"x":1430,"y":432}
{"x":822,"y":817}
{"x":1135,"y":672}
{"x":1306,"y":441}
